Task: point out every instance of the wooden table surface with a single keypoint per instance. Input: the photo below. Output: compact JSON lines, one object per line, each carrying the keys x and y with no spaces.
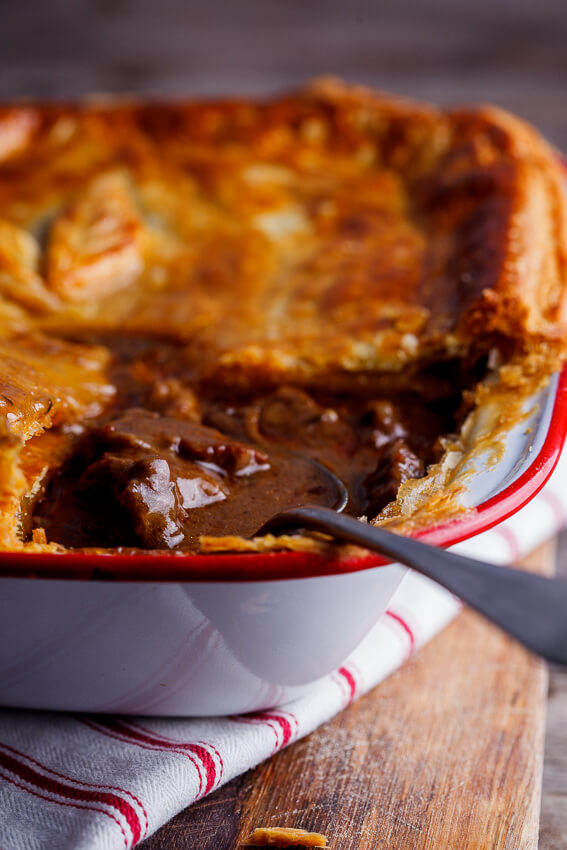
{"x":510,"y":52}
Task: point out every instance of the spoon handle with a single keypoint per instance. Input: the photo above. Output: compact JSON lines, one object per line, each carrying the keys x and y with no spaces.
{"x":531,"y":608}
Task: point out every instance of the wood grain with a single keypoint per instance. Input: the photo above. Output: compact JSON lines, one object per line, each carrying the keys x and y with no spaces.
{"x":447,"y":753}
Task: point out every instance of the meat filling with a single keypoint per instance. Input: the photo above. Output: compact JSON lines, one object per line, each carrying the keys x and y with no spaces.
{"x":170,"y":462}
{"x":155,"y":482}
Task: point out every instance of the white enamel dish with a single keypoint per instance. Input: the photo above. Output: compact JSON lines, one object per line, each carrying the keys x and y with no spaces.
{"x":217,"y":634}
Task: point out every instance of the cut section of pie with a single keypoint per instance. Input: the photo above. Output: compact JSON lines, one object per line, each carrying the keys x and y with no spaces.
{"x":197,"y":297}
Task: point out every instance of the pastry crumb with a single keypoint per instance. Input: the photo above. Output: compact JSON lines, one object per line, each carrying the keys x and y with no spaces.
{"x":38,"y":536}
{"x":283,"y":836}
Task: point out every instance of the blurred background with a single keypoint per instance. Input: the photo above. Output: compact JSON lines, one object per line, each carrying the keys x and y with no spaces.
{"x":511,"y":52}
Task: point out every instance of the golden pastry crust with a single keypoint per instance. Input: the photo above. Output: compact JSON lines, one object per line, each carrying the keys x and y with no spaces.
{"x":332,"y":238}
{"x":255,"y":231}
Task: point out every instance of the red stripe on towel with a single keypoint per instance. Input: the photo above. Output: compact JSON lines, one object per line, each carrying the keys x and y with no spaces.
{"x":19,"y":785}
{"x":284,"y":725}
{"x":280,"y":721}
{"x":196,"y":753}
{"x":198,"y":748}
{"x":80,"y":782}
{"x":350,"y":680}
{"x":17,"y":764}
{"x":405,"y":627}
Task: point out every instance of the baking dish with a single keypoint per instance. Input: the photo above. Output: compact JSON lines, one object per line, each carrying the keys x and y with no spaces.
{"x":186,"y":289}
{"x":215,"y":634}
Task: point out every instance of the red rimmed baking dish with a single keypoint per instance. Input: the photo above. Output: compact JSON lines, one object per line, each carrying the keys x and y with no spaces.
{"x":215,"y":634}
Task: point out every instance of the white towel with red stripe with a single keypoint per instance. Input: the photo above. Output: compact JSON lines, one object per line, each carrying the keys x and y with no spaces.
{"x":100,"y":783}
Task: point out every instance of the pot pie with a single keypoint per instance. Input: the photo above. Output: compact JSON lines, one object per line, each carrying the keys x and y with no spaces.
{"x":205,"y":306}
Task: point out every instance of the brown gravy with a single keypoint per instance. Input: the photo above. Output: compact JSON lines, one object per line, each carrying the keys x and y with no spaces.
{"x":169,"y":461}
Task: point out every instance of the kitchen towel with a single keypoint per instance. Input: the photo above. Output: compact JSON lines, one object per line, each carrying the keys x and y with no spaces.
{"x":106,"y":783}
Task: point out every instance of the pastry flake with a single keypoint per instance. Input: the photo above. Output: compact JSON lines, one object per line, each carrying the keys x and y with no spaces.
{"x":280,"y":836}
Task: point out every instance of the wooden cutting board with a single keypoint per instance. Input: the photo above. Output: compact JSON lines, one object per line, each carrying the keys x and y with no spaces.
{"x":446,"y":754}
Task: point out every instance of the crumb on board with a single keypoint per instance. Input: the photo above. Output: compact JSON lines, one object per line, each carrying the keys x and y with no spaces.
{"x":283,"y":836}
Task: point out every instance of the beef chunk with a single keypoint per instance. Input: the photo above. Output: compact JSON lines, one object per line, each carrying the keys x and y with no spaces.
{"x":157,"y":469}
{"x":396,"y":464}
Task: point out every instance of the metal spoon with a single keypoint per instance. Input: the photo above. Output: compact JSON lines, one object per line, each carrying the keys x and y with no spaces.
{"x":531,"y":608}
